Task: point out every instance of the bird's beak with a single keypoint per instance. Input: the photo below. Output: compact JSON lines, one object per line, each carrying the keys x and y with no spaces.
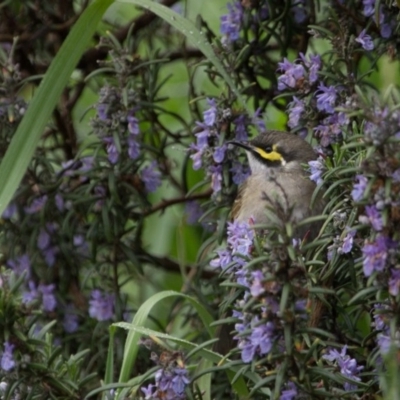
{"x":244,"y":145}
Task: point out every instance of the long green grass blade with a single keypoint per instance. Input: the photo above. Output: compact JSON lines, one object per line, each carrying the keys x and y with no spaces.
{"x":139,"y":320}
{"x":194,"y":36}
{"x":27,"y":136}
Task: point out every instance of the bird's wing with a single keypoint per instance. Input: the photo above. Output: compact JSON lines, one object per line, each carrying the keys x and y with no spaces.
{"x":237,"y":203}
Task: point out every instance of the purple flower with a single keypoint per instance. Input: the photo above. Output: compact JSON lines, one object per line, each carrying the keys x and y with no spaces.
{"x":48,"y":250}
{"x":71,"y":320}
{"x":240,"y":128}
{"x":396,"y":175}
{"x":148,"y":392}
{"x":170,"y":384}
{"x":326,"y":98}
{"x":394,"y":282}
{"x":384,"y":342}
{"x":240,"y":172}
{"x":133,"y":148}
{"x":7,"y":358}
{"x":36,"y":205}
{"x":210,"y":115}
{"x":216,"y":177}
{"x":292,"y":73}
{"x":59,"y":201}
{"x":151,"y":177}
{"x":374,"y":217}
{"x":49,"y":301}
{"x":193,"y":212}
{"x":289,"y":393}
{"x":348,"y":366}
{"x":219,"y":153}
{"x":30,"y":295}
{"x":375,"y":254}
{"x":68,"y":167}
{"x":102,"y":110}
{"x":240,"y":237}
{"x":133,"y":125}
{"x":43,"y":240}
{"x":313,"y":67}
{"x":369,"y":7}
{"x":230,"y":23}
{"x":386,"y":30}
{"x":50,"y":254}
{"x":365,"y":41}
{"x":347,"y":243}
{"x":259,"y":342}
{"x":386,"y":22}
{"x":240,"y":274}
{"x":359,"y":188}
{"x":316,"y":169}
{"x":323,"y":133}
{"x":379,"y":317}
{"x":331,"y":128}
{"x":9,"y":211}
{"x":223,"y":260}
{"x":196,"y":157}
{"x":296,"y":109}
{"x":299,"y":13}
{"x":81,"y":244}
{"x":112,"y":151}
{"x":101,"y":306}
{"x":202,"y":136}
{"x":86,"y":165}
{"x":20,"y":265}
{"x":257,"y":287}
{"x":258,"y":121}
{"x":180,"y":380}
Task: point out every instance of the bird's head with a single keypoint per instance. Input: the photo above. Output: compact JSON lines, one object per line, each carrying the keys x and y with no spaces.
{"x":276,"y":150}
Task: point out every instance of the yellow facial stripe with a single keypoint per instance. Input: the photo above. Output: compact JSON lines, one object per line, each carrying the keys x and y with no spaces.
{"x":271,"y":156}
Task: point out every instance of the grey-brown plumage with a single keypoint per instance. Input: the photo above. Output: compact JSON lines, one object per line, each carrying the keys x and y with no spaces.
{"x":278,"y":190}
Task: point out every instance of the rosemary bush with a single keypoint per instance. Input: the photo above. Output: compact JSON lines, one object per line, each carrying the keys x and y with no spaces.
{"x":120,"y":262}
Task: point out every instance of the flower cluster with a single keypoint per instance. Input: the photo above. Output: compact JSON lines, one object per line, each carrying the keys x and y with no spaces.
{"x":380,"y":208}
{"x":231,"y":22}
{"x":240,"y":241}
{"x":300,"y":75}
{"x":385,"y":339}
{"x":258,"y":329}
{"x":101,"y":306}
{"x":290,"y":393}
{"x":171,"y":380}
{"x":348,"y":366}
{"x":118,"y":128}
{"x":382,"y":16}
{"x":110,"y":115}
{"x":342,"y":244}
{"x":211,"y":150}
{"x":314,"y":97}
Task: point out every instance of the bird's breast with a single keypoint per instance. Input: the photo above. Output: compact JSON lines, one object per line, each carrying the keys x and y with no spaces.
{"x":286,"y":196}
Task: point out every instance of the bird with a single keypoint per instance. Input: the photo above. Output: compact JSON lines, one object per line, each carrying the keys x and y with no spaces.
{"x":279,"y":190}
{"x":279,"y":181}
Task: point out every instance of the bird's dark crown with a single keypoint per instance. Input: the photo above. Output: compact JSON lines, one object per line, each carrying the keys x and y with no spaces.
{"x":277,"y":148}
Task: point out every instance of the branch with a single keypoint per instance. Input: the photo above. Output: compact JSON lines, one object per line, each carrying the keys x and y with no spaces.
{"x":90,"y":59}
{"x":167,"y":203}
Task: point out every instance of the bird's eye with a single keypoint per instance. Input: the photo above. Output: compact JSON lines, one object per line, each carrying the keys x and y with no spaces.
{"x":268,"y":149}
